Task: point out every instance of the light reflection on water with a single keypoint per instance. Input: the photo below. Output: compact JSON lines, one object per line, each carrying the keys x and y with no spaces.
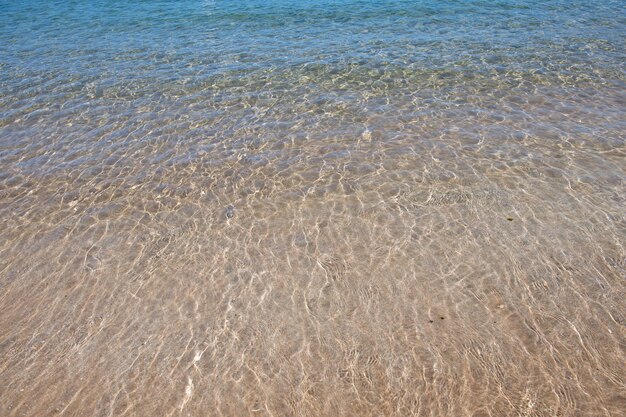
{"x":321,"y":209}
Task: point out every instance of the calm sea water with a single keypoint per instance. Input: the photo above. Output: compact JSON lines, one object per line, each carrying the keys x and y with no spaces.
{"x":312,"y":208}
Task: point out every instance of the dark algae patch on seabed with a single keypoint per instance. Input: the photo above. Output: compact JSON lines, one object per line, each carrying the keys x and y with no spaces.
{"x":312,"y":208}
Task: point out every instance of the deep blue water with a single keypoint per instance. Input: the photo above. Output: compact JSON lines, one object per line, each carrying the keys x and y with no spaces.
{"x":114,"y":43}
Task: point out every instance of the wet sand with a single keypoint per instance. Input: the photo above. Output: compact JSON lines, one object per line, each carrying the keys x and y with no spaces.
{"x":350,"y":238}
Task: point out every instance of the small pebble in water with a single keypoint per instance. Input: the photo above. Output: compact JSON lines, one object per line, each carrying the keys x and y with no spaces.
{"x":230,"y":212}
{"x":510,"y":219}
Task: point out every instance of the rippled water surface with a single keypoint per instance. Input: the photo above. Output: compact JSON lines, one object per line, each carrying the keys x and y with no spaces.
{"x":312,"y":208}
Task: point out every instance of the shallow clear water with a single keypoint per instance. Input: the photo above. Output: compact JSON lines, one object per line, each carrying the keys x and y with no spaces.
{"x":339,"y":208}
